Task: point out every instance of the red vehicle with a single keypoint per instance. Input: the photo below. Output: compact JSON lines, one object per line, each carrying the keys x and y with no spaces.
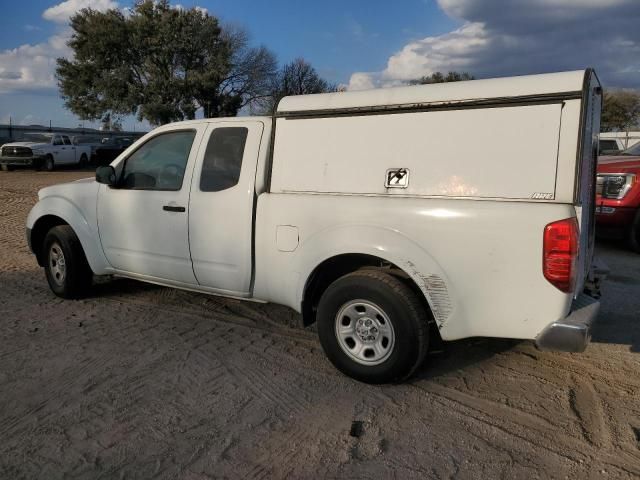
{"x":618,"y":195}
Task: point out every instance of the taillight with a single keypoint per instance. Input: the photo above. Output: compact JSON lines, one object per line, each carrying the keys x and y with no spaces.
{"x":560,"y":250}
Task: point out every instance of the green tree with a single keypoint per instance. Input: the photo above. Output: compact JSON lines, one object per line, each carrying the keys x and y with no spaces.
{"x":296,"y":78}
{"x":620,"y":110}
{"x":160,"y":63}
{"x":438,"y":77}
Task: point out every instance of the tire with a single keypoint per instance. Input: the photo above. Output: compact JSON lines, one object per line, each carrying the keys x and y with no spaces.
{"x":633,"y":238}
{"x":6,"y":168}
{"x":49,"y":163}
{"x":384,"y":307}
{"x":73,"y":277}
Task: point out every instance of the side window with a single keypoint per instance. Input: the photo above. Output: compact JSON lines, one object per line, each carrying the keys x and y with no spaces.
{"x":159,"y":164}
{"x":66,"y":140}
{"x":223,"y":159}
{"x":57,"y":140}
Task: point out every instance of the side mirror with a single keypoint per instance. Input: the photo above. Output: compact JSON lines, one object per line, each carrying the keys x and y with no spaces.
{"x":106,"y":175}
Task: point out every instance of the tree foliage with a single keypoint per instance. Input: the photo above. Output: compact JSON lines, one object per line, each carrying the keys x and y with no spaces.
{"x":296,"y":78}
{"x":438,"y":77}
{"x":620,"y":110}
{"x":160,"y":63}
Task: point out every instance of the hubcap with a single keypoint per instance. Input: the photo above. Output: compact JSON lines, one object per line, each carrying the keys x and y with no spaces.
{"x":364,"y":332}
{"x":57,"y":264}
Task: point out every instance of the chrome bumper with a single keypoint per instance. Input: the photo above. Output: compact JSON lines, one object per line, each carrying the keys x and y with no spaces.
{"x":573,"y":333}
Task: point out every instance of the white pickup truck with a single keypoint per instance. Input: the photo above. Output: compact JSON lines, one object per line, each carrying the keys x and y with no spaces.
{"x":43,"y":150}
{"x":361,"y":210}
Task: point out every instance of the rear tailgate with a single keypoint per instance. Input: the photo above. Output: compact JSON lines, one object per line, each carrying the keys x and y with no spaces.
{"x":586,"y":175}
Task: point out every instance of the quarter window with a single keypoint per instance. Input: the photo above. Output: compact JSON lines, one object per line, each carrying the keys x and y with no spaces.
{"x":223,"y":159}
{"x":160,"y":163}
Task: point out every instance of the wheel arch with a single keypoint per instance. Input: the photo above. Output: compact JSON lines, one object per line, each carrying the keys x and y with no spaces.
{"x":38,"y":233}
{"x":347,"y":247}
{"x":53,"y":211}
{"x":334,"y":267}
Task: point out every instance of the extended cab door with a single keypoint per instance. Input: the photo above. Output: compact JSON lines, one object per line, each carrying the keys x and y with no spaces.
{"x":143,"y":222}
{"x":221,"y":206}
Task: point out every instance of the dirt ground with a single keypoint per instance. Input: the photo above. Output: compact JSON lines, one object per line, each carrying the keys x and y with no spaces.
{"x":140,"y":381}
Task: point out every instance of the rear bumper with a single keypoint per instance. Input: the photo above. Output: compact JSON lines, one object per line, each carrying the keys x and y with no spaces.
{"x":573,"y":333}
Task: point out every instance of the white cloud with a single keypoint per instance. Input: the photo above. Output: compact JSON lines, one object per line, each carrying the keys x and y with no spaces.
{"x":179,"y":6}
{"x":502,"y":37}
{"x":62,"y":12}
{"x":32,"y":66}
{"x":363,"y":81}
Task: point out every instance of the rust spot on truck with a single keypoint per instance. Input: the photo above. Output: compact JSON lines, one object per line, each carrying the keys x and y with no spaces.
{"x":436,"y":288}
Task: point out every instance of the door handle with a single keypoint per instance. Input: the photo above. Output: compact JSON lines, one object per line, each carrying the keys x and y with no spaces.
{"x":172,"y":208}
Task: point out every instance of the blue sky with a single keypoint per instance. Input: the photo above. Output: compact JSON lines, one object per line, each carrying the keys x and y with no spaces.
{"x":359,"y":43}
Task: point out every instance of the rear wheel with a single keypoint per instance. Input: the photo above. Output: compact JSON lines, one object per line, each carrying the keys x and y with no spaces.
{"x":373,"y":327}
{"x":634,"y":233}
{"x":66,"y":267}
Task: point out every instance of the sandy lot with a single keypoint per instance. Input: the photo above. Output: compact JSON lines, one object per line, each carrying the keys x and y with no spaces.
{"x":141,"y":381}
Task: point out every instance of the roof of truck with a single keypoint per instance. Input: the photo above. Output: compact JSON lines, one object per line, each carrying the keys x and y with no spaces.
{"x":522,"y":86}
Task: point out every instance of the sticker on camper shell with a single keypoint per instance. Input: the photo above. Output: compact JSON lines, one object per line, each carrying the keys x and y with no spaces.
{"x":542,"y":196}
{"x":397,"y":178}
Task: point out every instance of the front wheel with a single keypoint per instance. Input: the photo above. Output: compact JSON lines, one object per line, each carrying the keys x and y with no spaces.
{"x":373,"y":327}
{"x":66,"y":267}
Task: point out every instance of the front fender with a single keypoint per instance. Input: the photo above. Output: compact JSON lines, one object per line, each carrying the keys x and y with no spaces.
{"x":85,"y":229}
{"x":387,"y":244}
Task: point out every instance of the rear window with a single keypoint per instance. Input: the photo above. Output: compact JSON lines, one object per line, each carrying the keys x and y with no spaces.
{"x":223,"y":159}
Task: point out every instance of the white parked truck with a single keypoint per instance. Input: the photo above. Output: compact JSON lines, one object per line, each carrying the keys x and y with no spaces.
{"x":43,"y":150}
{"x":364,"y":211}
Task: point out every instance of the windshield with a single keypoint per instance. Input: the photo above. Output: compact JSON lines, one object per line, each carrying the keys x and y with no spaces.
{"x":634,"y":150}
{"x":36,"y":137}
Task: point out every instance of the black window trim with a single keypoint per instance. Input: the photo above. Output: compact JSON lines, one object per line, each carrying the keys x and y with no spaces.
{"x":126,"y":159}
